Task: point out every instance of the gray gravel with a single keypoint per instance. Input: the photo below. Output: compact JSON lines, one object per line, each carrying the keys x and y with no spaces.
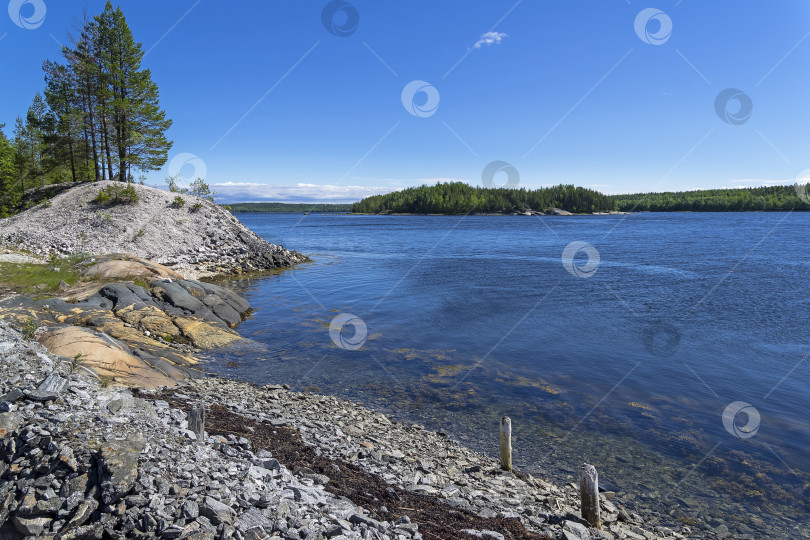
{"x":78,"y":460}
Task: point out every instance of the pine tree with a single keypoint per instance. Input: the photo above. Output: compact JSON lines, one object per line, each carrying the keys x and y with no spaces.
{"x":138,"y":122}
{"x":7,"y":186}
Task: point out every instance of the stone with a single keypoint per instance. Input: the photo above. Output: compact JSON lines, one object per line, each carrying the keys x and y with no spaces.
{"x":484,"y":534}
{"x":31,"y":526}
{"x":190,"y":509}
{"x":82,"y":513}
{"x":9,"y":423}
{"x":575,"y":531}
{"x":253,"y":518}
{"x":50,"y":389}
{"x":54,"y":383}
{"x":217,"y":512}
{"x":359,"y":519}
{"x":13,"y":395}
{"x":119,"y":466}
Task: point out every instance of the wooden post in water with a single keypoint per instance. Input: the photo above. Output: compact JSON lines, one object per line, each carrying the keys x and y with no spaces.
{"x":506,"y":443}
{"x":589,"y":495}
{"x":196,"y":422}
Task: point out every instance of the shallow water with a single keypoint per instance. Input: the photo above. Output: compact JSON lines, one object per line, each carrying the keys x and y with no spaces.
{"x":630,"y":368}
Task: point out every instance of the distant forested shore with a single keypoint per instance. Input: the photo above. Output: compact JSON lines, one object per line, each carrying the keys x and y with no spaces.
{"x":461,"y":198}
{"x":279,"y":207}
{"x":773,"y":198}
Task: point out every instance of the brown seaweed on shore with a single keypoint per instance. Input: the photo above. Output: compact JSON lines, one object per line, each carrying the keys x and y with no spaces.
{"x":437,"y":520}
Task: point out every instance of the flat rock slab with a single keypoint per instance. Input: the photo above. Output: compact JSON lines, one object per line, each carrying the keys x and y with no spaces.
{"x":119,"y":467}
{"x":54,"y":383}
{"x":18,"y":258}
{"x":124,"y":266}
{"x":105,"y":356}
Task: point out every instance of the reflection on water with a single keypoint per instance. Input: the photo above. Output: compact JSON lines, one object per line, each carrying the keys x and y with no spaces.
{"x":630,"y":370}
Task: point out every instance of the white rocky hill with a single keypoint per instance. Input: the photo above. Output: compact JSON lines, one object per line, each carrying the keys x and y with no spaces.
{"x":197,"y":239}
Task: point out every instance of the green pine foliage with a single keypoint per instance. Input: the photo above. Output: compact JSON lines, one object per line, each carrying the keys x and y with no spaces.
{"x":98,"y":118}
{"x":461,"y":198}
{"x":117,"y":194}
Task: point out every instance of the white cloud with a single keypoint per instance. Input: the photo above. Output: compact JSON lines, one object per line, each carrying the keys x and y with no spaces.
{"x":490,"y":38}
{"x":228,"y":192}
{"x":761,"y":182}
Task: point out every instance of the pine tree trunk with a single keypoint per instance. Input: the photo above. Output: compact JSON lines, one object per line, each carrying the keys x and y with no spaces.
{"x":107,"y":145}
{"x":72,"y":158}
{"x":93,"y":135}
{"x":86,"y":145}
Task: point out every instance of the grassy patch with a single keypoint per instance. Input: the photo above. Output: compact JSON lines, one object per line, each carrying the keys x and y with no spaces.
{"x":39,"y":278}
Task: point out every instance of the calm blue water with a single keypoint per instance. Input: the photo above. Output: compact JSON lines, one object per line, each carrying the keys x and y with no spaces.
{"x":631,"y":369}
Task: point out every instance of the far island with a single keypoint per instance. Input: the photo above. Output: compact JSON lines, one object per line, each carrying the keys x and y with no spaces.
{"x":461,"y":198}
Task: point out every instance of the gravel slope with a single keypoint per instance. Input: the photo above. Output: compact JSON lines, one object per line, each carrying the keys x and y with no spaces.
{"x":198,"y":239}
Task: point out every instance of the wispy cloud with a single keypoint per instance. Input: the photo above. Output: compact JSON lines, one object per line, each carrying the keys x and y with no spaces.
{"x":303,"y":193}
{"x":490,"y":38}
{"x":762,"y":182}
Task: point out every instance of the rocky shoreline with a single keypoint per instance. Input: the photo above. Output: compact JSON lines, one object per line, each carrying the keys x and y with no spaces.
{"x":81,"y":460}
{"x":94,"y":429}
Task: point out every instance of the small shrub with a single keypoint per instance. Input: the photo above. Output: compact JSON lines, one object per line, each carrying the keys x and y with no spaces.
{"x":139,"y":233}
{"x":76,"y":362}
{"x":29,"y":329}
{"x":167,"y":338}
{"x":200,"y":189}
{"x":178,"y":202}
{"x":196,"y":207}
{"x":117,"y":194}
{"x":172,"y":183}
{"x":102,"y":197}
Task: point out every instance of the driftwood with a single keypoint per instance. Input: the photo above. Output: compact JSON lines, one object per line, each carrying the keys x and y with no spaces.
{"x":506,"y":443}
{"x":589,"y":495}
{"x":196,"y":422}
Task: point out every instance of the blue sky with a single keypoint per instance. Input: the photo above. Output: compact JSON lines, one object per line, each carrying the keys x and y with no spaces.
{"x":271,"y":105}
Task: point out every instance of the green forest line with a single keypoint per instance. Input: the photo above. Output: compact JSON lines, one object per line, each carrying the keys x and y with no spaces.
{"x":461,"y":198}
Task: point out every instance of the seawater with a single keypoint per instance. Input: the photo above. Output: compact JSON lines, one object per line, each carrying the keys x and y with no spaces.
{"x":629,"y":361}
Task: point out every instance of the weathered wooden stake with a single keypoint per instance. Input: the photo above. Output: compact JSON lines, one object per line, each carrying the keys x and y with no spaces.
{"x":506,"y":443}
{"x":196,"y":422}
{"x":589,"y":495}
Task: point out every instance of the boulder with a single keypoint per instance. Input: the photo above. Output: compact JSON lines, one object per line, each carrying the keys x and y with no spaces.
{"x":119,"y":467}
{"x":216,"y":511}
{"x":178,"y":297}
{"x":51,"y":388}
{"x":205,"y":335}
{"x":122,"y":266}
